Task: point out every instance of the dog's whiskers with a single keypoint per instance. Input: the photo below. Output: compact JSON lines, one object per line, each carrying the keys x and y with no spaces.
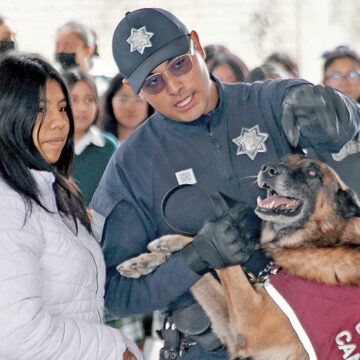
{"x":249,"y":177}
{"x":252,"y":183}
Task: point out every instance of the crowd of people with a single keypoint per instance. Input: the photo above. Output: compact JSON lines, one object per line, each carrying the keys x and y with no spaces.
{"x":88,"y":156}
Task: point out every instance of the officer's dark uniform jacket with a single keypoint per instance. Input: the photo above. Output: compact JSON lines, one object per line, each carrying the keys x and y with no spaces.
{"x":144,"y":169}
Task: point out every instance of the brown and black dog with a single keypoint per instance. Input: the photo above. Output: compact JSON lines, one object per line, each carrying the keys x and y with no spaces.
{"x":311,"y":229}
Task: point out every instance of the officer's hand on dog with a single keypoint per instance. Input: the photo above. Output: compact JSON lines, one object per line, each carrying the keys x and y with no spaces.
{"x":322,"y":108}
{"x":224,"y":241}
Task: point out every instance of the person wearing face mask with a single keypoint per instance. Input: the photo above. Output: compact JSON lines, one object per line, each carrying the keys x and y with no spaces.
{"x":7,"y":35}
{"x":76,"y":47}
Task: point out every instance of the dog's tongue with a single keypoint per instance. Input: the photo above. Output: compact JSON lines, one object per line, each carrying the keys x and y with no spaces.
{"x":274,"y":201}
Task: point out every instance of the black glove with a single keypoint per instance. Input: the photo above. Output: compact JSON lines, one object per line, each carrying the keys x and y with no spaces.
{"x":223,"y":241}
{"x":322,"y":108}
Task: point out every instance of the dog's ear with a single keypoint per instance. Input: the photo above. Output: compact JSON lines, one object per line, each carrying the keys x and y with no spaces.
{"x":347,"y":203}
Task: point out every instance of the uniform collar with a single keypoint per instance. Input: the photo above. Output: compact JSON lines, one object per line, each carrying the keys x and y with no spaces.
{"x":93,"y":136}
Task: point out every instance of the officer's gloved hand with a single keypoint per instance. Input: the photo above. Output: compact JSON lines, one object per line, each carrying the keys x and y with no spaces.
{"x":321,"y":107}
{"x":223,"y":241}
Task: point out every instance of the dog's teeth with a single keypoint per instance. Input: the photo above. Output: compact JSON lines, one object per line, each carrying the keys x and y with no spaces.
{"x":258,"y":201}
{"x":271,"y":206}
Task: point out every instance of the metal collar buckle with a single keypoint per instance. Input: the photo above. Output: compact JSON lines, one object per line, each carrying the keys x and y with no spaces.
{"x":262,"y":276}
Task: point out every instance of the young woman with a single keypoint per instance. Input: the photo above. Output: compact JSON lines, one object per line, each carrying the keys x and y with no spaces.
{"x":342,"y":70}
{"x":264,"y":72}
{"x":7,"y":34}
{"x":226,"y":66}
{"x":52,"y":269}
{"x":124,"y":110}
{"x":286,"y":63}
{"x":93,"y":147}
{"x":76,"y":46}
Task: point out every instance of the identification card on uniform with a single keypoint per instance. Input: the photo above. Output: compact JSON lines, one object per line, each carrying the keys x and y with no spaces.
{"x":185,"y":177}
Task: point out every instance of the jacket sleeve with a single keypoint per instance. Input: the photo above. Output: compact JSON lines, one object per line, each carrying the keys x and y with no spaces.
{"x":125,"y":236}
{"x":275,"y":92}
{"x":28,"y":331}
{"x":348,"y":132}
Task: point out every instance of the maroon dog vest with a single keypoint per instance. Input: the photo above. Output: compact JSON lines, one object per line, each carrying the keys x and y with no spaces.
{"x":326,"y":318}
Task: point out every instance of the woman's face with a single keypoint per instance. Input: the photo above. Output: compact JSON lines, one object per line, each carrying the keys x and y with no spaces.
{"x":343,"y":74}
{"x":225,"y":73}
{"x":69,"y":42}
{"x":7,"y":31}
{"x":50,"y":136}
{"x":129,"y":109}
{"x":84,"y":107}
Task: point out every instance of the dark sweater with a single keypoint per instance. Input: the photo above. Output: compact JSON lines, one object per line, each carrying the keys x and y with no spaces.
{"x":89,"y":166}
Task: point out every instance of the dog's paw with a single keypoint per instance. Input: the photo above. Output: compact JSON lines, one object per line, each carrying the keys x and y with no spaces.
{"x":168,"y":243}
{"x":142,"y":265}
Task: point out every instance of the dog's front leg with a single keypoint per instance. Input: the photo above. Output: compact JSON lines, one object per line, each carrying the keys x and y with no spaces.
{"x":255,"y":316}
{"x":211,"y":296}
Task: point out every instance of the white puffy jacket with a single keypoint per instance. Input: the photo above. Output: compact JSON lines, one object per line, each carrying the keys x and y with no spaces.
{"x":51,"y":285}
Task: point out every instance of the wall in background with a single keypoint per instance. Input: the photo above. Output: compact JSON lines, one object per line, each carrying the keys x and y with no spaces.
{"x":250,"y":28}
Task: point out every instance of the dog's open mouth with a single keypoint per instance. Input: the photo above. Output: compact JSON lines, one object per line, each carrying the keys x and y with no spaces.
{"x":278,"y":204}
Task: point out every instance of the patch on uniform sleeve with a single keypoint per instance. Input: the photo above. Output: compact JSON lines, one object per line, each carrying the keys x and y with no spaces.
{"x":97,"y":225}
{"x":250,"y":142}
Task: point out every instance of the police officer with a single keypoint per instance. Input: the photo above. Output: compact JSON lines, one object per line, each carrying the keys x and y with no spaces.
{"x":207,"y":133}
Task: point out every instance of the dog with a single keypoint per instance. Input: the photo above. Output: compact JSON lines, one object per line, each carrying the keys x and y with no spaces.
{"x":311,"y":230}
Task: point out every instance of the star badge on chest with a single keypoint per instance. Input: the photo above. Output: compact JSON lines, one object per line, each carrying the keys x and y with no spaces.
{"x":250,"y":142}
{"x":139,"y":39}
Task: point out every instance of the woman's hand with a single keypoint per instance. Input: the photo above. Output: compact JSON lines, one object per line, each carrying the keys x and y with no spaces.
{"x":90,"y":213}
{"x":128,"y":355}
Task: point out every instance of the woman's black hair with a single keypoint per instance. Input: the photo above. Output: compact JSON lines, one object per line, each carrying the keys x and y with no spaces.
{"x":213,"y":50}
{"x":73,"y":76}
{"x":263,"y":72}
{"x":110,"y":122}
{"x":340,"y":51}
{"x":23,"y":80}
{"x":286,"y":60}
{"x":220,"y":55}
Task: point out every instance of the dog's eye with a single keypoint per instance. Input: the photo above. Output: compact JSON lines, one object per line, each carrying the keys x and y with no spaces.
{"x":312,"y":173}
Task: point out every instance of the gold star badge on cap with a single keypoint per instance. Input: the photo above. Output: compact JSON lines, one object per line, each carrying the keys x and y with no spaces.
{"x":139,"y":39}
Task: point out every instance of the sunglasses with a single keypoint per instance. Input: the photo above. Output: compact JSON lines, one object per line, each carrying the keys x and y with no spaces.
{"x":177,"y":67}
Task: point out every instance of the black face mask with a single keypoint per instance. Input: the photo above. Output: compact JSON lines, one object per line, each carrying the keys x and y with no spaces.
{"x":6,"y":45}
{"x":67,"y":60}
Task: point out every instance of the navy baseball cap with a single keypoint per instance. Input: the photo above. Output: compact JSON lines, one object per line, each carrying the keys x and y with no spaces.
{"x":144,"y":39}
